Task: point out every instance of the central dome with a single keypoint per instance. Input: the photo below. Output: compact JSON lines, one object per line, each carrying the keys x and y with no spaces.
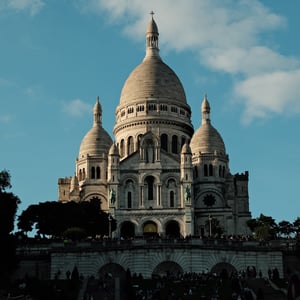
{"x":152,"y":79}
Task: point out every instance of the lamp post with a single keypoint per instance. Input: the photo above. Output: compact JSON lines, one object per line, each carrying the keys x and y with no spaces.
{"x":209,"y":221}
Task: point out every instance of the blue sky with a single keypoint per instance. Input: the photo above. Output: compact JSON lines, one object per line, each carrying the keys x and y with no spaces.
{"x":57,"y":56}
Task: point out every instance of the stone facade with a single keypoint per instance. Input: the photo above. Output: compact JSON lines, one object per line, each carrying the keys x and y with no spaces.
{"x":159,"y":176}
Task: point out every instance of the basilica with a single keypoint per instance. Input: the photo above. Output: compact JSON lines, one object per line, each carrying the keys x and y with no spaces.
{"x":158,"y":175}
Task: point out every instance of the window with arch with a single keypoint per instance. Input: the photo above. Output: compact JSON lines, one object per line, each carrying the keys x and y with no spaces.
{"x":80,"y":174}
{"x":220,"y":171}
{"x":122,"y":148}
{"x":211,"y":173}
{"x":130,"y":146}
{"x":163,"y":107}
{"x":130,"y":110}
{"x":164,"y":141}
{"x":172,"y":199}
{"x":129,"y":200}
{"x":140,"y":108}
{"x":98,"y":172}
{"x":205,"y":170}
{"x":83,"y":173}
{"x":150,"y":187}
{"x":150,"y":155}
{"x":174,"y":144}
{"x":93,"y":172}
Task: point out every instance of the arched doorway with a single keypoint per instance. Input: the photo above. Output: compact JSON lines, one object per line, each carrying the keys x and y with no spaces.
{"x":167,"y":268}
{"x":127,"y":230}
{"x":173,"y":229}
{"x":223,"y":269}
{"x":150,"y":229}
{"x":112,"y":270}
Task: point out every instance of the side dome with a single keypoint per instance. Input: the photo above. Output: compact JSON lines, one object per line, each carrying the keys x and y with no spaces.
{"x":207,"y":139}
{"x":97,"y":141}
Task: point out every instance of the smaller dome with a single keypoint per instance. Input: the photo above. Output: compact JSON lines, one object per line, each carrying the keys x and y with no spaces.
{"x":97,"y":141}
{"x":207,"y":139}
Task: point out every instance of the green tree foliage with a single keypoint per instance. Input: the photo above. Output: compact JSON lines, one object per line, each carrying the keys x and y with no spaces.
{"x":285,"y":228}
{"x":57,"y":219}
{"x":264,"y":227}
{"x":296,"y":226}
{"x":8,"y":209}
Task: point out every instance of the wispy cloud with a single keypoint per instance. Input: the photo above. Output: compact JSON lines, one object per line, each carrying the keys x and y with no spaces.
{"x":226,"y":36}
{"x":76,"y":108}
{"x":5,"y":82}
{"x":32,"y":6}
{"x":6,"y":118}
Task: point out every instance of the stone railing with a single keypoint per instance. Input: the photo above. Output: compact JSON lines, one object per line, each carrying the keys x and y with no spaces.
{"x":44,"y":247}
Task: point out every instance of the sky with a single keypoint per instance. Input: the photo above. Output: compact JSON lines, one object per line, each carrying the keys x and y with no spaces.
{"x":57,"y":56}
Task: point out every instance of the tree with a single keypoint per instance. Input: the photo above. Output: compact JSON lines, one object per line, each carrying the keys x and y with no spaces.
{"x":296,"y":225}
{"x":8,"y":209}
{"x":285,"y":228}
{"x":57,"y":219}
{"x":264,"y":227}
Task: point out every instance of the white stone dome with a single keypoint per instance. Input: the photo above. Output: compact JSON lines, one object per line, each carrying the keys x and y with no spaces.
{"x":97,"y":141}
{"x":206,"y":138}
{"x":152,"y":79}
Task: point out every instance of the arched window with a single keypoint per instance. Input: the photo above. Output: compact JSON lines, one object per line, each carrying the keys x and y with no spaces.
{"x":122,"y":150}
{"x":172,"y":198}
{"x":129,"y":200}
{"x":164,"y":142}
{"x":80,"y":174}
{"x":98,"y":173}
{"x":210,"y":170}
{"x":174,"y":144}
{"x":149,"y":151}
{"x":150,"y":187}
{"x":130,"y":145}
{"x":83,"y":173}
{"x":205,"y":170}
{"x":93,"y":172}
{"x":220,"y":171}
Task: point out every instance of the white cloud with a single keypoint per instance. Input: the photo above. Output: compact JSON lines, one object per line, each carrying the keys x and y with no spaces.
{"x":76,"y":108}
{"x":33,"y":6}
{"x":276,"y":92}
{"x":227,"y":36}
{"x":250,"y":61}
